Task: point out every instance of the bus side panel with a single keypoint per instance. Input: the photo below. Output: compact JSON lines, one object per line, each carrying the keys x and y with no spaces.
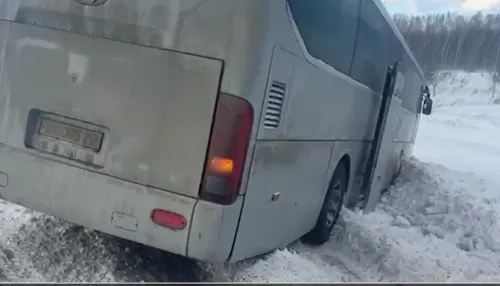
{"x":412,"y":100}
{"x":329,"y":106}
{"x":292,"y":164}
{"x":293,"y":160}
{"x":406,"y":125}
{"x":286,"y":178}
{"x":281,"y":204}
{"x":212,"y":231}
{"x":326,"y":105}
{"x":409,"y":115}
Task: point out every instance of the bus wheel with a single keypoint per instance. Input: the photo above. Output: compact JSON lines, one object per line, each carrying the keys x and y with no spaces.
{"x":330,"y":210}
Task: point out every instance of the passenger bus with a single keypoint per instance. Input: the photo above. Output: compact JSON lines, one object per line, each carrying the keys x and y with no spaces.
{"x":213,"y":129}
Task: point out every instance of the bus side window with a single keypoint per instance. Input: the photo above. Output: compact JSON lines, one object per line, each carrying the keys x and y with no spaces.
{"x":371,"y":56}
{"x":328,"y":28}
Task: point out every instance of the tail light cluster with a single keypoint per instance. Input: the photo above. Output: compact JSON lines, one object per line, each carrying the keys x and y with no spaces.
{"x":231,"y":131}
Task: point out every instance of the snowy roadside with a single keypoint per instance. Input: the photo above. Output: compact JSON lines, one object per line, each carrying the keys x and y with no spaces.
{"x":463,"y":138}
{"x":14,"y":265}
{"x":432,"y":227}
{"x":39,"y":248}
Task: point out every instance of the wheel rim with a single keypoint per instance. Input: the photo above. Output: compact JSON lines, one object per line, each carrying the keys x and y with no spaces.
{"x":333,"y":205}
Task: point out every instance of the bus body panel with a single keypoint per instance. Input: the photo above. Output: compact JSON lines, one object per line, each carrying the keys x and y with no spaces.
{"x":93,"y":200}
{"x":326,"y":106}
{"x":193,"y":26}
{"x":143,"y":99}
{"x":212,"y":231}
{"x":230,"y":30}
{"x":282,"y":200}
{"x":321,"y":108}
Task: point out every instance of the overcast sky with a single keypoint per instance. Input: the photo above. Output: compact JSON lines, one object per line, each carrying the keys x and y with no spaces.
{"x":436,"y":6}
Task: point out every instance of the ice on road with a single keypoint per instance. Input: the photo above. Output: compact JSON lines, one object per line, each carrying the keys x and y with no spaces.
{"x":438,"y":222}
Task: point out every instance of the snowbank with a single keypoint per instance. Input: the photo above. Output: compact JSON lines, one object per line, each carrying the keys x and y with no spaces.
{"x":463,"y":138}
{"x":464,"y":131}
{"x":434,"y":225}
{"x":461,"y":88}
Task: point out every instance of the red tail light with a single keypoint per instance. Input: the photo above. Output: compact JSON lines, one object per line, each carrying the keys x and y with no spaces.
{"x":168,"y":219}
{"x":231,"y":133}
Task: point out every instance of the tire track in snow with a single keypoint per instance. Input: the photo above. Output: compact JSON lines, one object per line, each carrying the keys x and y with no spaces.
{"x":48,"y":249}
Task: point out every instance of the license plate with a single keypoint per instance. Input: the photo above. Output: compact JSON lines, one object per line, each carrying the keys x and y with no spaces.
{"x":86,"y":138}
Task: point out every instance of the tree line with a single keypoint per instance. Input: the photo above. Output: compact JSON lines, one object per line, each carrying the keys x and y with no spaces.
{"x":453,"y":41}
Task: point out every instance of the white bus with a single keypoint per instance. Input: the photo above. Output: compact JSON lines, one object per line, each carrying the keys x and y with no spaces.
{"x":213,"y":129}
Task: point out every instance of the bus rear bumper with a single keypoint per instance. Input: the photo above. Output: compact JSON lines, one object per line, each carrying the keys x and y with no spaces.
{"x":116,"y":207}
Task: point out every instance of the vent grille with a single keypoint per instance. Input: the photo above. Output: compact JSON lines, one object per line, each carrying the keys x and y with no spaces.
{"x":275,"y":101}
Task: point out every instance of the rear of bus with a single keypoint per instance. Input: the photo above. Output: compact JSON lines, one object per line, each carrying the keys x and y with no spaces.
{"x":122,"y":116}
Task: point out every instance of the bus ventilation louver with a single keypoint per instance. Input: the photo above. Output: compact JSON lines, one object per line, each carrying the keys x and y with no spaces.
{"x":275,"y":101}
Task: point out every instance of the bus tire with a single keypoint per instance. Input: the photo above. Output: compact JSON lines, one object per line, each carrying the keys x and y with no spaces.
{"x":330,"y":211}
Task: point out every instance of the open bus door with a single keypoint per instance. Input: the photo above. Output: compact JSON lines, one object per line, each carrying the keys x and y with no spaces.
{"x":378,"y":171}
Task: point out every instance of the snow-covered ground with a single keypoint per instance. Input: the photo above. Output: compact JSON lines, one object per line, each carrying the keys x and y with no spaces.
{"x":437,"y":223}
{"x":464,"y":132}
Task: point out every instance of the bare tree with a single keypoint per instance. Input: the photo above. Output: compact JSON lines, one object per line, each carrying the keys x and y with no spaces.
{"x":452,"y":41}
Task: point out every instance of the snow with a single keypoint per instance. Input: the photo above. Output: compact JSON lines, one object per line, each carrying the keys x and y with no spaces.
{"x":463,"y":134}
{"x":437,"y":223}
{"x":463,"y":89}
